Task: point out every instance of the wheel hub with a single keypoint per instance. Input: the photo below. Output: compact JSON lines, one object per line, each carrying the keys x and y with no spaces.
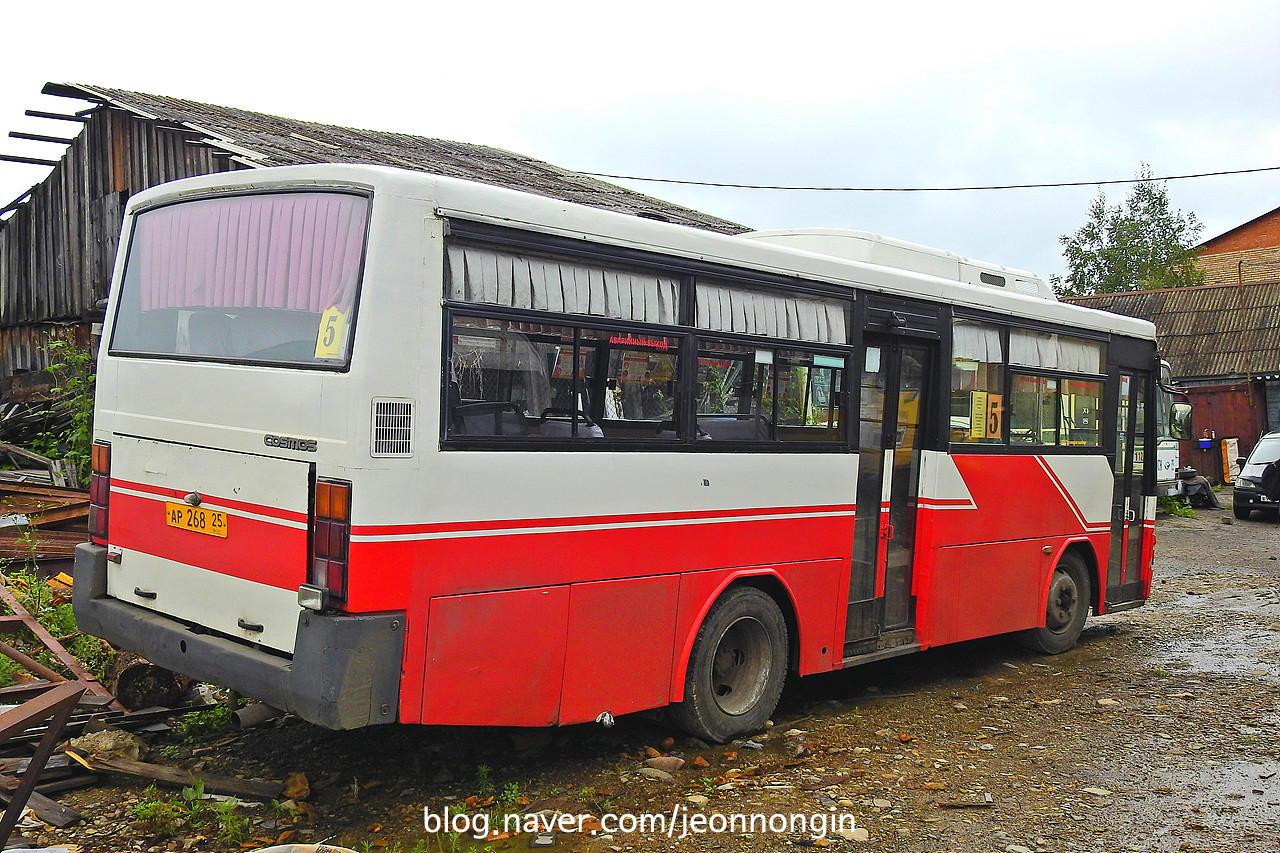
{"x":1064,"y":599}
{"x":740,"y":667}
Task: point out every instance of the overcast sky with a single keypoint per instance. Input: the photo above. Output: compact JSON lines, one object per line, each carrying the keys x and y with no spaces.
{"x":814,"y":94}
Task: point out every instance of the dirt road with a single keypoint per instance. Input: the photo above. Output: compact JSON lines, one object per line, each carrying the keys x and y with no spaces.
{"x":1159,"y":732}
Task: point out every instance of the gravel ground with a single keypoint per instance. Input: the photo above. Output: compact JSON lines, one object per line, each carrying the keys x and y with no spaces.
{"x":1159,"y":732}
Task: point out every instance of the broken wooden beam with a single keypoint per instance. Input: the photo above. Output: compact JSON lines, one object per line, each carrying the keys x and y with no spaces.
{"x":42,"y":491}
{"x":175,"y":778}
{"x":30,"y":161}
{"x":70,"y":783}
{"x":23,"y":453}
{"x":58,"y":514}
{"x":50,"y":811}
{"x":57,"y":116}
{"x":40,"y":137}
{"x":55,"y":707}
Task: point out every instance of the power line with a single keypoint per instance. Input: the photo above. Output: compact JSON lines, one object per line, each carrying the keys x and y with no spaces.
{"x":929,"y":189}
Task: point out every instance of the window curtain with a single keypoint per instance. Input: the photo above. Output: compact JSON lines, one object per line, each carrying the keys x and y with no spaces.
{"x":1056,"y":352}
{"x":976,"y":342}
{"x":480,"y":274}
{"x":727,"y":308}
{"x":297,"y":251}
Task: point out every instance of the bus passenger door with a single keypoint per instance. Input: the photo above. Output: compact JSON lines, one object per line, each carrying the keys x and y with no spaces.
{"x":1128,"y":505}
{"x":894,"y":391}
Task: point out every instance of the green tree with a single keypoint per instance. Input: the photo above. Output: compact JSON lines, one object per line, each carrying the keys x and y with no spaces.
{"x":1139,"y":245}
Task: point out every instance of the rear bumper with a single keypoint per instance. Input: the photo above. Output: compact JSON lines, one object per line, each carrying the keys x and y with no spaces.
{"x":344,"y":673}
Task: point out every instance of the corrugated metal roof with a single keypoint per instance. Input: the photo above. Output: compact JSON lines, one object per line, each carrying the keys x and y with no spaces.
{"x":1209,"y":331}
{"x":257,"y":139}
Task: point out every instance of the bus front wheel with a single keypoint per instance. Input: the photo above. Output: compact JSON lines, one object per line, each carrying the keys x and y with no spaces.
{"x":1065,"y":612}
{"x":736,"y":669}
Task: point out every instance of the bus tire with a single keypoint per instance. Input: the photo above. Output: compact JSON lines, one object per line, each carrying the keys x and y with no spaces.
{"x":736,"y":669}
{"x":1066,"y":610}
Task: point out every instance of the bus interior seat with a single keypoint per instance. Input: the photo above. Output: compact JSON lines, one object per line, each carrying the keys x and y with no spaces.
{"x":749,"y":428}
{"x":667,"y":429}
{"x":209,"y":333}
{"x":489,"y":418}
{"x":564,"y":429}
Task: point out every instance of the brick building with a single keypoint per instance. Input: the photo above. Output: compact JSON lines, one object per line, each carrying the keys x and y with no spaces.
{"x":1247,"y":253}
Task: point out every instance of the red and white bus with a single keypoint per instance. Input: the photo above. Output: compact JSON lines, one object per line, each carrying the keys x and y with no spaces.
{"x":379,"y":446}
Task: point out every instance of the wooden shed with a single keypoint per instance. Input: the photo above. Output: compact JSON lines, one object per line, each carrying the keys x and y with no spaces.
{"x":58,"y":240}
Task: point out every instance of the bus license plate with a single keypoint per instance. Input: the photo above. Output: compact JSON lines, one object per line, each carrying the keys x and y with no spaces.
{"x":201,"y":520}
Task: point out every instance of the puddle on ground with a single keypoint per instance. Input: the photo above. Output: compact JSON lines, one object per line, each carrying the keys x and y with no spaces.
{"x":1220,"y":801}
{"x":1235,"y":646}
{"x":1230,"y":652}
{"x":1263,"y":601}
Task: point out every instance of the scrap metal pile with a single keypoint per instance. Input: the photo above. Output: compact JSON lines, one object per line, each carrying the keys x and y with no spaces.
{"x":59,"y":733}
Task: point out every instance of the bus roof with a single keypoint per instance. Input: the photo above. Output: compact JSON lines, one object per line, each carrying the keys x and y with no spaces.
{"x":852,"y":258}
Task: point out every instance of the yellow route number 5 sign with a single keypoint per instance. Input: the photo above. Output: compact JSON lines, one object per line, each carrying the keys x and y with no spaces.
{"x":329,"y":339}
{"x":986,"y":413}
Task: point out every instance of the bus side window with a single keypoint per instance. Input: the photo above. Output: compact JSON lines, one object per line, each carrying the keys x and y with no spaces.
{"x":505,"y":377}
{"x":728,"y":394}
{"x":1033,"y":410}
{"x":1081,"y":399}
{"x":809,"y":397}
{"x":977,"y":380}
{"x":641,"y":382}
{"x":209,"y":333}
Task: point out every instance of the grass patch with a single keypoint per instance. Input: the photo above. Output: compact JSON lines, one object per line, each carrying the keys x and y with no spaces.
{"x":1173,"y":506}
{"x":52,"y":610}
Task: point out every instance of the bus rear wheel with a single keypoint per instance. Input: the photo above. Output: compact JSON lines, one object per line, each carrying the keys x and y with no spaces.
{"x":736,"y":669}
{"x":1066,"y":610}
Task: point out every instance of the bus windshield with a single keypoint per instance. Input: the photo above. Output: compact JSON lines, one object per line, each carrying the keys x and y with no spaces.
{"x":263,"y":279}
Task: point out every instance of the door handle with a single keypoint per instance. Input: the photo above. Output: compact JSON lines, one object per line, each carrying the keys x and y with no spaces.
{"x":886,"y":532}
{"x":1130,"y":515}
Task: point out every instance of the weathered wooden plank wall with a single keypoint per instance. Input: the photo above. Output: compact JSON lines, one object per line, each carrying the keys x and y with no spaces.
{"x":57,"y":251}
{"x":23,"y":348}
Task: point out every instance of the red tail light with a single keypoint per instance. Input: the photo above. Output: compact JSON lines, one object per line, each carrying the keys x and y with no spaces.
{"x":99,"y":491}
{"x":331,"y":537}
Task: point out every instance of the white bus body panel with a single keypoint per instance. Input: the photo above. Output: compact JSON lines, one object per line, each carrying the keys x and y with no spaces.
{"x":152,"y":474}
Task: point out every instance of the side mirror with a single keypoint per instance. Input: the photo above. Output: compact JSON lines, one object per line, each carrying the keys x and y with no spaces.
{"x":1180,"y":420}
{"x":1240,"y":460}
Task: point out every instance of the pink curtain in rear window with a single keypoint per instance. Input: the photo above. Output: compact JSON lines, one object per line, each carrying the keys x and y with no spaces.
{"x":298,"y":251}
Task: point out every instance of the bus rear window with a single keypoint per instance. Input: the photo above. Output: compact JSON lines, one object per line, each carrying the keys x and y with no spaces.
{"x":267,"y":278}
